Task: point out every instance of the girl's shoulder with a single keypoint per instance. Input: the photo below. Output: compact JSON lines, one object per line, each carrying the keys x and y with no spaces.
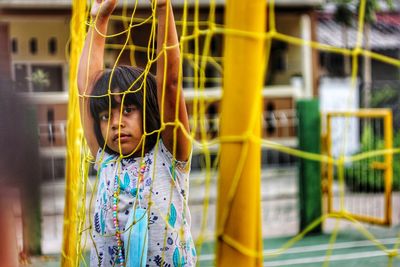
{"x":159,"y":153}
{"x":103,"y":158}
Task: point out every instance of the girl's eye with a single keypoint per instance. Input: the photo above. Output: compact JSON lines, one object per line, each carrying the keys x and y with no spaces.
{"x":104,"y":117}
{"x":128,"y":110}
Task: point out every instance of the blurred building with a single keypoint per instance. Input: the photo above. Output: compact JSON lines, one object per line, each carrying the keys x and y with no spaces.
{"x":34,"y":46}
{"x":383,"y":39}
{"x":34,"y":40}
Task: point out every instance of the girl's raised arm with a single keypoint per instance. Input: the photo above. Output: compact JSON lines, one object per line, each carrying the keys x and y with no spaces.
{"x":91,"y":64}
{"x":168,"y":81}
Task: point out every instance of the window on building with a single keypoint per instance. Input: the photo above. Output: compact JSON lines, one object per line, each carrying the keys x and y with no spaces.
{"x":277,"y":61}
{"x":38,"y":77}
{"x":33,"y":46}
{"x":14,"y":45}
{"x":52,"y":46}
{"x":52,"y":78}
{"x":21,"y":74}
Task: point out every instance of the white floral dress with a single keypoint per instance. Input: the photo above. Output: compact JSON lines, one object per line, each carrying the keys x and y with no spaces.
{"x":165,"y":187}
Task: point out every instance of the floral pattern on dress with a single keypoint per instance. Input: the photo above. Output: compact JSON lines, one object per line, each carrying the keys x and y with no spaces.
{"x":163,"y":192}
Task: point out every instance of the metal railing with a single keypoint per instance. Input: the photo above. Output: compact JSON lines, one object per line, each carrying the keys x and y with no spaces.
{"x":363,"y":169}
{"x":52,"y":134}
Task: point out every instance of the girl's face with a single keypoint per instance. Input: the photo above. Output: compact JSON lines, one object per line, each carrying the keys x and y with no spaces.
{"x":125,"y":128}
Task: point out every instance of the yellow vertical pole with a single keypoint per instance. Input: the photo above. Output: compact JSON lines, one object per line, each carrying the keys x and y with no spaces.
{"x":239,"y":203}
{"x":330,"y":165}
{"x":388,"y":129}
{"x":71,"y":240}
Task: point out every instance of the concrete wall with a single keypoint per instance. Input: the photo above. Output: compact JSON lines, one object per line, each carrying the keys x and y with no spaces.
{"x":42,"y":29}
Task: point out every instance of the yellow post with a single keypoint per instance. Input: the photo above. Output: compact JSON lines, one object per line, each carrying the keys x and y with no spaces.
{"x":388,"y":129}
{"x":239,"y":203}
{"x":73,"y":191}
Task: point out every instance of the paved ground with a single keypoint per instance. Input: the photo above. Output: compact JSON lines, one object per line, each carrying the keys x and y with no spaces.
{"x":280,"y":219}
{"x":351,"y":249}
{"x":279,"y":191}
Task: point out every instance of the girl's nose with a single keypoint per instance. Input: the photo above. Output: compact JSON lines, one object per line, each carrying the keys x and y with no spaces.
{"x":116,"y":122}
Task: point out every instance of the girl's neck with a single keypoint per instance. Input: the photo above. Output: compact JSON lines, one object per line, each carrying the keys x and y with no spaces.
{"x":138,"y":154}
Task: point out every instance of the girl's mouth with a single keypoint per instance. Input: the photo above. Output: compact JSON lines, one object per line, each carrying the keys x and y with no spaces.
{"x":121,"y":137}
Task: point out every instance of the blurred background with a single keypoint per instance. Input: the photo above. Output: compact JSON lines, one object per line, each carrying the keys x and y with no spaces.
{"x":34,"y":70}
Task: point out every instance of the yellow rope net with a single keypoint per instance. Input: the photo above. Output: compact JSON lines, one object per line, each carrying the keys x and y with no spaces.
{"x":74,"y":215}
{"x":196,"y":34}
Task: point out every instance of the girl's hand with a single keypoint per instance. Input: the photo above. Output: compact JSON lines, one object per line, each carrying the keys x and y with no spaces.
{"x":103,"y":8}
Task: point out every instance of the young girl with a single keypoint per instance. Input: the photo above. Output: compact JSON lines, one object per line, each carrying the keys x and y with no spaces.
{"x":141,"y":216}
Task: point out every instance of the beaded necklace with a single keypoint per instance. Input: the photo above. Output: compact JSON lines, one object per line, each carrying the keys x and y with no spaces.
{"x":121,"y":260}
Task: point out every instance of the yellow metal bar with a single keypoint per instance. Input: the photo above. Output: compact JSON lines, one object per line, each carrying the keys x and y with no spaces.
{"x":386,"y":166}
{"x":379,"y":165}
{"x":239,"y":204}
{"x":361,"y":218}
{"x":388,"y":135}
{"x":71,"y":240}
{"x":330,"y":166}
{"x":361,"y":113}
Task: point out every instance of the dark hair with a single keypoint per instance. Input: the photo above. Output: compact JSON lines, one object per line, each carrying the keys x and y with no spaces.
{"x":123,"y":79}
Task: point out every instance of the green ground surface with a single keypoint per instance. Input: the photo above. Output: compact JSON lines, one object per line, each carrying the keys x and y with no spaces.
{"x":351,"y":249}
